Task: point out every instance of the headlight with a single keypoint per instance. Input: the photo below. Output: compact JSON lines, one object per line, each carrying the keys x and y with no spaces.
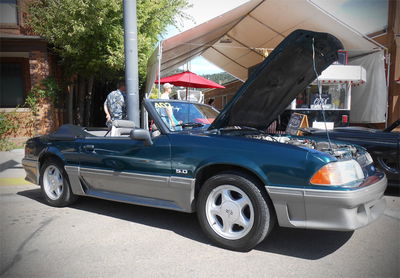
{"x":369,"y":158}
{"x":364,"y":159}
{"x":338,"y":173}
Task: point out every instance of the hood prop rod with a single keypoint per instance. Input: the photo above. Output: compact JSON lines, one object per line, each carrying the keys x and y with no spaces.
{"x":320,"y":96}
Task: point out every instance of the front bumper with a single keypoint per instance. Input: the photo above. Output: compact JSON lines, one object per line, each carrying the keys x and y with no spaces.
{"x":31,"y":167}
{"x":341,"y":210}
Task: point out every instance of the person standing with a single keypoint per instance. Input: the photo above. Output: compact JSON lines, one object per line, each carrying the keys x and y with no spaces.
{"x":167,"y":113}
{"x":115,"y":104}
{"x":167,"y":87}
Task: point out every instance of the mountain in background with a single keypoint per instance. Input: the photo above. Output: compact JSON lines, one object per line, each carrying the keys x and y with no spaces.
{"x":220,"y":78}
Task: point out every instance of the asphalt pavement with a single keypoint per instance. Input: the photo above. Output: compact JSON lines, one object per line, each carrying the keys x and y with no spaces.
{"x":11,"y":171}
{"x":98,"y":238}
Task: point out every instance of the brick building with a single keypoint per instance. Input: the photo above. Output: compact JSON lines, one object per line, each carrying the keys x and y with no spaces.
{"x":25,"y":60}
{"x":222,"y":96}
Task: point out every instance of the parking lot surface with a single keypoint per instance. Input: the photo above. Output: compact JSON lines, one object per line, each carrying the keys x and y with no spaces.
{"x":98,"y":238}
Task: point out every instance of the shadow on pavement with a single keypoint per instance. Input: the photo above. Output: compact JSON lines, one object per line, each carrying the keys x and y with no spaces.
{"x":393,"y":190}
{"x":184,"y":224}
{"x":306,"y":244}
{"x":8,"y":164}
{"x":34,"y":194}
{"x":302,"y":243}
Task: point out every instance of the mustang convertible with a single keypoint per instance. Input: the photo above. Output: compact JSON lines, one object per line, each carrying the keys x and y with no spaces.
{"x":239,"y":180}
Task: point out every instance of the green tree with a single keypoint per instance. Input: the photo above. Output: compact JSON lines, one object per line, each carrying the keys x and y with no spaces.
{"x":88,"y":35}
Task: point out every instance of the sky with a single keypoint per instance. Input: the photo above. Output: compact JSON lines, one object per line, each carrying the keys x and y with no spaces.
{"x":366,"y":16}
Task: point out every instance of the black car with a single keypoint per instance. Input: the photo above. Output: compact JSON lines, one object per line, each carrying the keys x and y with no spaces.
{"x":383,"y":145}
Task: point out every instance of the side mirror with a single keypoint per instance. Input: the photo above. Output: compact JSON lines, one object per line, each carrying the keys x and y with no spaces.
{"x":142,"y":135}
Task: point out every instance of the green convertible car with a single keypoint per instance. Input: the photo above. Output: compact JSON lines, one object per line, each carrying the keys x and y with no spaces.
{"x":239,"y":180}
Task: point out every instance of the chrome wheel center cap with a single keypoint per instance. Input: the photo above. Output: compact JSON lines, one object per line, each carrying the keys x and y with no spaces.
{"x":230,"y":210}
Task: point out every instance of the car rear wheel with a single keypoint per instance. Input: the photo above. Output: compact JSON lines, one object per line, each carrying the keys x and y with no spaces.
{"x":55,"y":185}
{"x":234,"y":211}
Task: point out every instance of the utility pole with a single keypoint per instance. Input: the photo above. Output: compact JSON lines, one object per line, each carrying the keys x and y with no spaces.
{"x":131,"y":61}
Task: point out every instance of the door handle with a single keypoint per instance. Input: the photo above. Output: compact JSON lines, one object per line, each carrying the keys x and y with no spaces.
{"x":88,"y":148}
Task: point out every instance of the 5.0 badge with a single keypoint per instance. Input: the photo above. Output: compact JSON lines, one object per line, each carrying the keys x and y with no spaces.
{"x":181,"y":171}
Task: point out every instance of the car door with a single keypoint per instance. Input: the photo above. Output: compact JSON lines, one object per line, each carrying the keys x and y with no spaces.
{"x":121,"y":165}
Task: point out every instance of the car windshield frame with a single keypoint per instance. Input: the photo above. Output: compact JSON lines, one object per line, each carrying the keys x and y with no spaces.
{"x":185,"y":116}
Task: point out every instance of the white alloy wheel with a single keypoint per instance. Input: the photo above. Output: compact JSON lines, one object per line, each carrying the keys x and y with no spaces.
{"x":53,"y":182}
{"x":229,"y":212}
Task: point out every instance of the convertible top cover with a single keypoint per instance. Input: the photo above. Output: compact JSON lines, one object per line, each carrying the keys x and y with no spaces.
{"x":69,"y":132}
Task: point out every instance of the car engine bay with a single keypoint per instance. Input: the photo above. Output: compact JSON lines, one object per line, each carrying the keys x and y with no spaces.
{"x":340,"y":151}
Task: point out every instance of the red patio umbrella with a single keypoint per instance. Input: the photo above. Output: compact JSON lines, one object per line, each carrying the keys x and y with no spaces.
{"x":189,"y":79}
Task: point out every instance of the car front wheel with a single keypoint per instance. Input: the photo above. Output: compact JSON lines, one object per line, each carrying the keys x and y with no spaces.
{"x":55,"y":185}
{"x":234,"y":211}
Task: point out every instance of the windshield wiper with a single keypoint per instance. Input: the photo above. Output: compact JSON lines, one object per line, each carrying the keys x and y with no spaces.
{"x":252,"y":129}
{"x":241,"y":128}
{"x":191,"y":124}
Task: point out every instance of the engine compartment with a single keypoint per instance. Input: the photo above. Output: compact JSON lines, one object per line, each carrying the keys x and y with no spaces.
{"x":340,"y":151}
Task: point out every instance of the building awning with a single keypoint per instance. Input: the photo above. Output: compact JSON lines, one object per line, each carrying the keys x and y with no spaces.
{"x":338,"y":74}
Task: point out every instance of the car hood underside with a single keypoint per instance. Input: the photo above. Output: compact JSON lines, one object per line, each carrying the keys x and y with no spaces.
{"x":286,"y":72}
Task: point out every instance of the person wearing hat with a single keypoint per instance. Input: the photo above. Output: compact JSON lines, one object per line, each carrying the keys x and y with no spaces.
{"x":167,"y":90}
{"x":167,"y":113}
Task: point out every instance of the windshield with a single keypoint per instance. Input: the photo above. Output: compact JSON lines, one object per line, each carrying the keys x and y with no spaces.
{"x":182,"y":115}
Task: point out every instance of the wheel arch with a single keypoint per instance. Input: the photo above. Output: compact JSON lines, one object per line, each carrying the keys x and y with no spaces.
{"x":210,"y":170}
{"x":49,"y":154}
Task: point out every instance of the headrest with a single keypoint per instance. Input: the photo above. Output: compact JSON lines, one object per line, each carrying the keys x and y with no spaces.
{"x":123,"y":124}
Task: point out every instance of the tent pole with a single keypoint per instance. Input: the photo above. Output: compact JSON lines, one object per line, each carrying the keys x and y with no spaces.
{"x":159,"y":67}
{"x":387,"y":88}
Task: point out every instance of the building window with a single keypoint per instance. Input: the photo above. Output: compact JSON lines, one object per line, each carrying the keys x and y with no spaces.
{"x":9,"y":12}
{"x":12,"y":84}
{"x":224,"y":100}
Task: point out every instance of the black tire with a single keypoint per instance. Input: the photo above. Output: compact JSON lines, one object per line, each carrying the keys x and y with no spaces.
{"x":261,"y":213}
{"x":66,"y":197}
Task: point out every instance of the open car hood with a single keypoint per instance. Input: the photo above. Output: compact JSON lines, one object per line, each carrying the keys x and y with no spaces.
{"x":285,"y":73}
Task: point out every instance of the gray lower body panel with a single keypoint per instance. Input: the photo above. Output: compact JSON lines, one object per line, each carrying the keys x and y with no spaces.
{"x":31,"y":167}
{"x":176,"y":193}
{"x":328,"y":209}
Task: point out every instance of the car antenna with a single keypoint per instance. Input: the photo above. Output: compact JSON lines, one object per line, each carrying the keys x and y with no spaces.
{"x":319,"y":85}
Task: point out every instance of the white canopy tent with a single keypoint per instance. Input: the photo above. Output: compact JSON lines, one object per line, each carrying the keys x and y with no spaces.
{"x":240,"y":39}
